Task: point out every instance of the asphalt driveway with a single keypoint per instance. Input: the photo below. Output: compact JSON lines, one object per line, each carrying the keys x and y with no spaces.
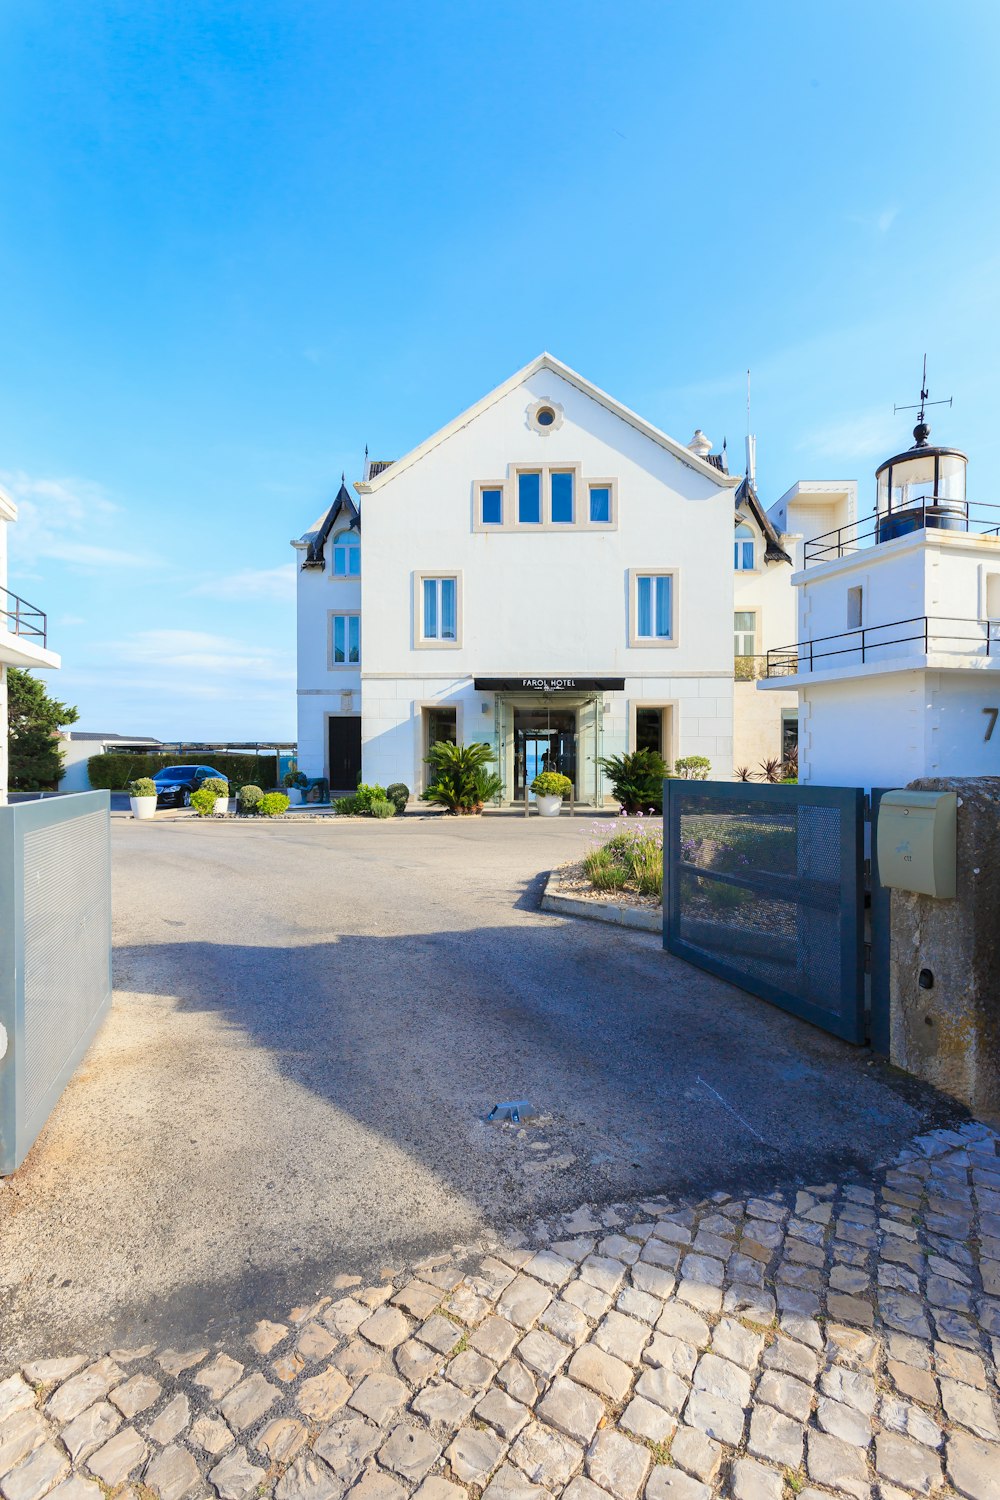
{"x":311,"y":1021}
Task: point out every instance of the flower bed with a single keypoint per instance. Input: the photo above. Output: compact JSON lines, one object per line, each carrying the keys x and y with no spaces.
{"x":624,"y":864}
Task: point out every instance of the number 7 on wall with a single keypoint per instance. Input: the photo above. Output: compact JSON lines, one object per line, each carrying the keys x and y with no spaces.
{"x":993,"y":713}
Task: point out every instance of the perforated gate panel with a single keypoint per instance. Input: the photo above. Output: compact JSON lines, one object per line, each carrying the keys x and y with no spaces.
{"x":55,"y":972}
{"x":764,"y":885}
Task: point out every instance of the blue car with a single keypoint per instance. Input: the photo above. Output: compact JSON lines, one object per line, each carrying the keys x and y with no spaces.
{"x":174,"y":784}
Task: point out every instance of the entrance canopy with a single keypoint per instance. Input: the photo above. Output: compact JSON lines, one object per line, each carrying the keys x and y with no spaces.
{"x":549,"y":684}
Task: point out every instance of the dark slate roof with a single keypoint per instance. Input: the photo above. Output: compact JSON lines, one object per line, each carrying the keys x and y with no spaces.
{"x":343,"y":506}
{"x":747,"y":499}
{"x":717,"y":460}
{"x":378,"y":466}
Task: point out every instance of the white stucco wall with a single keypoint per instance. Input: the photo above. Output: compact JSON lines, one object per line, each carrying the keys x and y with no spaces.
{"x":546,"y":602}
{"x":323,"y":688}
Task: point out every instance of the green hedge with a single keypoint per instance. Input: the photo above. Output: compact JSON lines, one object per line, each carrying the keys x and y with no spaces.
{"x":114,"y":772}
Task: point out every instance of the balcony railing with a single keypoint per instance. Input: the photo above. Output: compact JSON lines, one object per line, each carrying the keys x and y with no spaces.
{"x":918,"y":636}
{"x":931,"y":514}
{"x":22,"y":618}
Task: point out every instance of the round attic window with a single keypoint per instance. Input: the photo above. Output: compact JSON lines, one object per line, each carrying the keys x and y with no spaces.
{"x":544,"y":416}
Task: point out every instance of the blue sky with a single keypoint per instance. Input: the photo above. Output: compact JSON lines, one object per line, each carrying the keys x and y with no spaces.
{"x":241,"y":240}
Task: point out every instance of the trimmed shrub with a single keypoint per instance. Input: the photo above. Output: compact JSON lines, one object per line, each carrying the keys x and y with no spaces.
{"x":551,"y":784}
{"x":381,"y":807}
{"x":113,"y":772}
{"x":347,"y":807}
{"x":366,"y":795}
{"x":248,"y":799}
{"x":693,"y":768}
{"x":217,"y":785}
{"x":144,"y":786}
{"x":203,"y":802}
{"x":271,"y":805}
{"x":398,"y":795}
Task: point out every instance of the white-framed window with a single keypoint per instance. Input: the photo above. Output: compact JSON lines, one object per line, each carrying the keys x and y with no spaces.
{"x":347,"y":555}
{"x":529,"y":497}
{"x":744,"y":632}
{"x":601,"y":513}
{"x":652,"y":605}
{"x":491,"y":505}
{"x":345,"y":640}
{"x":562,"y":497}
{"x":438,"y":609}
{"x":743,"y":549}
{"x":855,"y":607}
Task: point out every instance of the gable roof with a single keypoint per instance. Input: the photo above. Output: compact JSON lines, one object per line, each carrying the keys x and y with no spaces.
{"x":343,"y":505}
{"x":747,"y":499}
{"x":555,"y":367}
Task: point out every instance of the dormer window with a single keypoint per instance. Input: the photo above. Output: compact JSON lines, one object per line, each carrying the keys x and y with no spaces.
{"x":347,"y":555}
{"x":743,"y":549}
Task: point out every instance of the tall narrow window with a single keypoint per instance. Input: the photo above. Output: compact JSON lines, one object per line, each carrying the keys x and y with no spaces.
{"x":491,"y":501}
{"x":744,"y":633}
{"x":743,"y":549}
{"x":347,"y":555}
{"x":600,"y":504}
{"x":654,"y":606}
{"x":529,"y":499}
{"x":440,"y":609}
{"x":562,"y":499}
{"x":346,"y":640}
{"x":855,"y":608}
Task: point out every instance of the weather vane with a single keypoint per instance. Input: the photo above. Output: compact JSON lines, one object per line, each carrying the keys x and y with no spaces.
{"x":921,"y":427}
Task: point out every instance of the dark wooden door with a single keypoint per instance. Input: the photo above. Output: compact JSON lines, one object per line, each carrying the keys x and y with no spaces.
{"x":345,"y":753}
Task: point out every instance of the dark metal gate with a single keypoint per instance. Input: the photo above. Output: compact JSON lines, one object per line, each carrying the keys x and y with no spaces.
{"x":765,"y":886}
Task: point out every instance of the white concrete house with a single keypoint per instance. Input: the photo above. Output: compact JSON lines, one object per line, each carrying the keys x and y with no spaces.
{"x":896,"y":659}
{"x":23,"y":635}
{"x":552,"y":574}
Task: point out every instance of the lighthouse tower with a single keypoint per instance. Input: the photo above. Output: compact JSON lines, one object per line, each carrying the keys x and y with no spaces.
{"x":897,"y":663}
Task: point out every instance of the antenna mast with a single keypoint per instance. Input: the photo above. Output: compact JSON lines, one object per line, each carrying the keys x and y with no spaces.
{"x":751,"y":442}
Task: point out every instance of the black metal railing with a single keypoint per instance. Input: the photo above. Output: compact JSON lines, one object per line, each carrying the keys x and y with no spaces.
{"x":22,"y":618}
{"x":931,"y":514}
{"x":867,"y":643}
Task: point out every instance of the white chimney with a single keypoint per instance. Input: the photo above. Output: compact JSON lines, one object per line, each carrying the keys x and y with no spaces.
{"x":700,"y":445}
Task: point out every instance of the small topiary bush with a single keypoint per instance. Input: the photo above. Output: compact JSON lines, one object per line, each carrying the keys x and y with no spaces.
{"x":693,"y":768}
{"x":248,"y":799}
{"x":203,"y":802}
{"x":551,"y":784}
{"x":271,"y":804}
{"x":398,"y":795}
{"x":145,"y":786}
{"x":217,"y":785}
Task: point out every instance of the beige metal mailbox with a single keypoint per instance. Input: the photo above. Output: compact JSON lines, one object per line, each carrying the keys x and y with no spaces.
{"x":916,"y":842}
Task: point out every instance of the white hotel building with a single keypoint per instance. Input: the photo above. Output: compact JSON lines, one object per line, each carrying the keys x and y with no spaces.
{"x":552,"y":574}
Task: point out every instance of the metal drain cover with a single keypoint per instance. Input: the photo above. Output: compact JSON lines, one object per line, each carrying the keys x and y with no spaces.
{"x":514,"y":1110}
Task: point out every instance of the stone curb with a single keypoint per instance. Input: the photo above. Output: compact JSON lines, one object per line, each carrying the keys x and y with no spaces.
{"x":619,"y":915}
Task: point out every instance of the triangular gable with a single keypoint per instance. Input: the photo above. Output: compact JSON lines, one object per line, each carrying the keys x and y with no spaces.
{"x":746,"y":499}
{"x":342,"y":507}
{"x":548,"y":362}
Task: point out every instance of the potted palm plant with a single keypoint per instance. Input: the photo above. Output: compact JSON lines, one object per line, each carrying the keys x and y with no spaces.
{"x":142,"y":797}
{"x":462,"y":779}
{"x":550,"y":787}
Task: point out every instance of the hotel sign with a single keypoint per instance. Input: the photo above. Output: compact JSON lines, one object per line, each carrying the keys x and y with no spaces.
{"x":549,"y":684}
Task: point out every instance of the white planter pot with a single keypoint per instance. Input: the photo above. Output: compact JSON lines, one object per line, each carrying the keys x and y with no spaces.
{"x":549,"y":807}
{"x":143,"y":807}
{"x":221,"y":805}
{"x":294,"y":795}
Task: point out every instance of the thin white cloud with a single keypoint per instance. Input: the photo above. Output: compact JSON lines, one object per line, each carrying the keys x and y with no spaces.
{"x":881,"y":221}
{"x":70,"y":520}
{"x":252,"y":583}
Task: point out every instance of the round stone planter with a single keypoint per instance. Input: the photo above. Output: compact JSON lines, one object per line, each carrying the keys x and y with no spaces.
{"x":143,"y":807}
{"x":548,"y":807}
{"x":221,"y":806}
{"x":294,"y":796}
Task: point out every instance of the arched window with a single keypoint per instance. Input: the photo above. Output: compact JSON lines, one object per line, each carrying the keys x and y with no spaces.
{"x":743,"y":549}
{"x":347,"y":555}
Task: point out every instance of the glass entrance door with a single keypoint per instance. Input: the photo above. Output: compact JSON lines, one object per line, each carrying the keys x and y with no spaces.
{"x":544,"y":740}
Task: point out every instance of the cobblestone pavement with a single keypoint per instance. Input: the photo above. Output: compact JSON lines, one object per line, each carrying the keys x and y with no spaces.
{"x":836,"y":1339}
